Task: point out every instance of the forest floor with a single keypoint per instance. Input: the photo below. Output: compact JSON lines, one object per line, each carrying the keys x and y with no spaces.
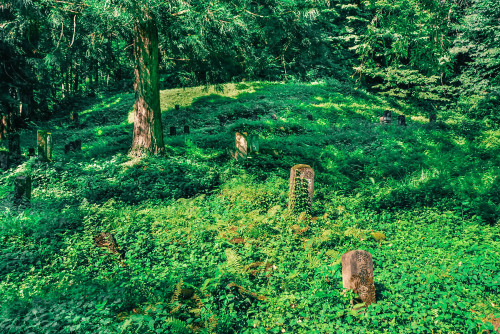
{"x":205,"y":243}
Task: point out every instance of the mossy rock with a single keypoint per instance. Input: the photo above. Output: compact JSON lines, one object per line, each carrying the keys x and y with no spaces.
{"x":378,"y":236}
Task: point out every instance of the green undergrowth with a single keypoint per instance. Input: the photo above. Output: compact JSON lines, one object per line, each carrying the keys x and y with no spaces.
{"x":207,"y":243}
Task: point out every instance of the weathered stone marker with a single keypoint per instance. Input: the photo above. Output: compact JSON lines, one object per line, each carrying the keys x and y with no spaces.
{"x":402,"y":120}
{"x":44,"y":143}
{"x":4,"y":160}
{"x":74,"y":118}
{"x":432,"y":118}
{"x":357,"y":275}
{"x":301,"y":188}
{"x":22,"y":190}
{"x":186,"y":129}
{"x":310,"y":117}
{"x":241,"y":145}
{"x":387,"y":118}
{"x":254,"y":144}
{"x":173,"y":131}
{"x":15,"y":144}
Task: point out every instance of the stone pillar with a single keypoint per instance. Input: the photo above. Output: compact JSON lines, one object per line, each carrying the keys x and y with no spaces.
{"x":15,"y":144}
{"x":402,"y":120}
{"x":4,"y":160}
{"x":186,"y":129}
{"x":22,"y":191}
{"x":173,"y":131}
{"x":387,"y":118}
{"x":301,"y":188}
{"x":357,"y":275}
{"x":44,"y":143}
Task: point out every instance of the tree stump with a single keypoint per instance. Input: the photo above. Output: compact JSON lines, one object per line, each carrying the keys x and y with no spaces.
{"x":4,"y":160}
{"x":301,"y":188}
{"x":44,"y":143}
{"x":22,"y":191}
{"x":357,"y":275}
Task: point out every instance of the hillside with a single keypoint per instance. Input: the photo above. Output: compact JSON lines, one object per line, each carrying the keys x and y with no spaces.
{"x":206,"y":244}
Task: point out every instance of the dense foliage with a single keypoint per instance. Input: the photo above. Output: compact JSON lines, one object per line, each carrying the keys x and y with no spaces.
{"x":207,"y":244}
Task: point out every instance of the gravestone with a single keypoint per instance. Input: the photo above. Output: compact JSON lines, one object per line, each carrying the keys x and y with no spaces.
{"x":432,"y":118}
{"x":44,"y":143}
{"x":67,"y":148}
{"x":241,"y":145}
{"x":310,"y":117}
{"x":301,"y":188}
{"x":31,"y":152}
{"x":173,"y":131}
{"x":15,"y":144}
{"x":77,"y":145}
{"x":222,"y":120}
{"x":177,"y":107}
{"x":402,"y":120}
{"x":74,"y":118}
{"x":255,"y":117}
{"x":22,"y":190}
{"x":4,"y":160}
{"x":357,"y":275}
{"x":254,"y":144}
{"x":186,"y":129}
{"x":387,"y":118}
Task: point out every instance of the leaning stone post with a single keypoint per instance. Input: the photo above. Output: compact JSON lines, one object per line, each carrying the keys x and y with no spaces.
{"x":357,"y":275}
{"x":301,"y":188}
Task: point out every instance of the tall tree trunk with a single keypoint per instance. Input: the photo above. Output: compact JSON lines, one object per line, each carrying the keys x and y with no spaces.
{"x":148,"y":130}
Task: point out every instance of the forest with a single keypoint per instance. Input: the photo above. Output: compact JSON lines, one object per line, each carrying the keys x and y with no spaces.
{"x":249,"y":166}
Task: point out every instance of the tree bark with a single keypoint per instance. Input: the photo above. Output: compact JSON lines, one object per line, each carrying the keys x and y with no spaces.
{"x":148,"y":130}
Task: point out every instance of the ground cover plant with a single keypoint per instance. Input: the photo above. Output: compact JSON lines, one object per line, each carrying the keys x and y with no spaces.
{"x":206,"y":244}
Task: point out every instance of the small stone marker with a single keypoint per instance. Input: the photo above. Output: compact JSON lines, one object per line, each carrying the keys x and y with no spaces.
{"x":4,"y":160}
{"x":432,"y":118}
{"x":310,"y":117}
{"x":31,"y":152}
{"x":22,"y":190}
{"x":173,"y":131}
{"x":74,"y":118}
{"x":44,"y":143}
{"x":186,"y":129}
{"x":241,"y":144}
{"x":402,"y":120}
{"x":387,"y":118}
{"x":301,"y":188}
{"x":15,"y":144}
{"x":254,"y":144}
{"x":177,"y":107}
{"x":357,"y":275}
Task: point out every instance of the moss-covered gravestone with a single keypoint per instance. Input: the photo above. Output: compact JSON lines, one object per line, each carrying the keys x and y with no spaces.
{"x":357,"y":275}
{"x":402,"y":120}
{"x":44,"y":143}
{"x":31,"y":151}
{"x":15,"y":144}
{"x":432,"y":118}
{"x":301,"y":188}
{"x":177,"y":107}
{"x":253,"y":142}
{"x":173,"y":131}
{"x":241,"y":146}
{"x":74,"y":118}
{"x":4,"y":160}
{"x":387,"y":118}
{"x":310,"y":117}
{"x":22,"y":190}
{"x":186,"y":129}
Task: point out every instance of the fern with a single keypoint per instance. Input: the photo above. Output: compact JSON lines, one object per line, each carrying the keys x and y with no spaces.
{"x":233,"y":261}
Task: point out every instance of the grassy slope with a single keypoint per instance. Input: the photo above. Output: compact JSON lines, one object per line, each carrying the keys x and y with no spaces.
{"x":430,"y":190}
